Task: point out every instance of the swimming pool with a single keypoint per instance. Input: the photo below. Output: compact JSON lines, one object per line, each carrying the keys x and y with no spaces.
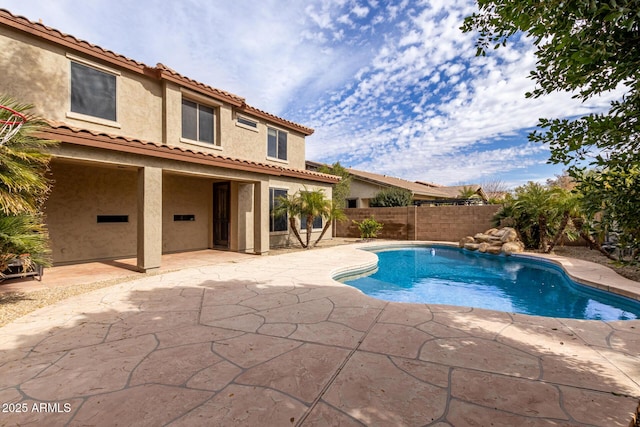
{"x":452,"y":276}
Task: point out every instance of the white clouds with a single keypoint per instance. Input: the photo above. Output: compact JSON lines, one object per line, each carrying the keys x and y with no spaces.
{"x":393,"y":87}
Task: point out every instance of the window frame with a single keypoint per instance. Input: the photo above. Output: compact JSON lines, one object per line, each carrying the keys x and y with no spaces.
{"x":277,"y":158}
{"x":215,"y":122}
{"x":272,"y":219}
{"x":102,"y":69}
{"x":247,"y":126}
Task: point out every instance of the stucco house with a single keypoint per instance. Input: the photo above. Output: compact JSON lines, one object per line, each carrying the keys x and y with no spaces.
{"x":365,"y":185}
{"x":150,"y":161}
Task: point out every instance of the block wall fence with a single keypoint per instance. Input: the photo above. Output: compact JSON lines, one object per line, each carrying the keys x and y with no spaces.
{"x":445,"y":223}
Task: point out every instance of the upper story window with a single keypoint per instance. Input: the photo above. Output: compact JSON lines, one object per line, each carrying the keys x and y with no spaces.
{"x":276,"y":144}
{"x":247,"y":123}
{"x":93,"y":92}
{"x":198,"y":122}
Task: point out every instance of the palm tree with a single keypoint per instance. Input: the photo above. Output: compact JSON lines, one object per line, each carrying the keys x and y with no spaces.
{"x":335,"y":214}
{"x":468,"y":192}
{"x":313,"y":204}
{"x":23,"y":190}
{"x":568,"y":203}
{"x":289,"y":206}
{"x":23,"y":165}
{"x":540,"y":204}
{"x":307,"y":205}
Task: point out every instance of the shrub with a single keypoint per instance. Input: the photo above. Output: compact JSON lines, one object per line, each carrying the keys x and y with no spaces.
{"x":391,"y":197}
{"x":368,"y":227}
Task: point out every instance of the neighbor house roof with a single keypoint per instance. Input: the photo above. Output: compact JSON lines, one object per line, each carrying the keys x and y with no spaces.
{"x":71,"y":135}
{"x":390,"y":181}
{"x":160,"y":71}
{"x":418,"y":188}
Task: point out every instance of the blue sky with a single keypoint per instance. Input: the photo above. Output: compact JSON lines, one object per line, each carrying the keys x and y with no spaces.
{"x":392,"y":87}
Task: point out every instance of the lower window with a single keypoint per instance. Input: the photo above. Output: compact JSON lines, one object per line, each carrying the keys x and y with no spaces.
{"x":276,"y":223}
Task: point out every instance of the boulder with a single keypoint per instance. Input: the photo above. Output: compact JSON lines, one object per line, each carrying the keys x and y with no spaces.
{"x":494,"y":241}
{"x":481,"y":237}
{"x":510,"y":235}
{"x":511,"y":248}
{"x":494,"y":250}
{"x":472,"y":246}
{"x":464,"y":240}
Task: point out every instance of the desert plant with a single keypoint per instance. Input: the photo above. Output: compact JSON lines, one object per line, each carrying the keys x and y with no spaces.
{"x":23,"y":190}
{"x":25,"y":238}
{"x":391,"y":197}
{"x":368,"y":227}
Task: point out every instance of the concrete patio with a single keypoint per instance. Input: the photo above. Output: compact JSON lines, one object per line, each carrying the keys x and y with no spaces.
{"x":274,"y":341}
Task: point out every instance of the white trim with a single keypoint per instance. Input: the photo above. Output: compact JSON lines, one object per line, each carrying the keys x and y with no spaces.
{"x":275,"y":159}
{"x":91,"y":64}
{"x":93,"y":119}
{"x":245,"y":126}
{"x":200,"y":144}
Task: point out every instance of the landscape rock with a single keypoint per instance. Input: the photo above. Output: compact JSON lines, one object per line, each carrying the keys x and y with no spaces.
{"x":472,"y":246}
{"x":511,"y":248}
{"x":494,"y":250}
{"x":494,"y":241}
{"x":483,"y":247}
{"x":464,"y":240}
{"x":510,"y":235}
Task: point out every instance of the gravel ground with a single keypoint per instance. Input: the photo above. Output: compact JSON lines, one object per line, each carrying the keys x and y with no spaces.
{"x":631,"y":272}
{"x":16,"y":305}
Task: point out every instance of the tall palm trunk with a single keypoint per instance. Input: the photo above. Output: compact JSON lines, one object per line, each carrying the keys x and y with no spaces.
{"x":309,"y":228}
{"x":324,"y":230}
{"x":542,"y":228}
{"x":294,"y":228}
{"x":558,"y":236}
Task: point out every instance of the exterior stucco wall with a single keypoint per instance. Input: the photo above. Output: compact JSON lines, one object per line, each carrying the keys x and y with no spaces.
{"x":234,"y":140}
{"x":363,"y":191}
{"x":184,"y":195}
{"x":147,"y":109}
{"x":79,"y":195}
{"x":284,"y":238}
{"x":40,"y":74}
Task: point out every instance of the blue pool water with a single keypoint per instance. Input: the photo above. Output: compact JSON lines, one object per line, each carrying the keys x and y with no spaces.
{"x":444,"y":275}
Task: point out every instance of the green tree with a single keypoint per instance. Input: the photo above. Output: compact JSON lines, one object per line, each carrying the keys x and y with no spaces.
{"x":23,"y":190}
{"x":391,"y":197}
{"x":342,"y":189}
{"x":586,"y":47}
{"x":468,"y":192}
{"x":611,"y":202}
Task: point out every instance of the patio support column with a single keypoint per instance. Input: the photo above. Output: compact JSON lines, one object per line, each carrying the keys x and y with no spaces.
{"x":261,"y":217}
{"x":244,"y":208}
{"x":149,"y":219}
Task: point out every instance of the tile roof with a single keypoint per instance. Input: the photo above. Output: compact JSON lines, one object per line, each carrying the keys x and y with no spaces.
{"x":71,"y":135}
{"x":160,"y":71}
{"x":416,"y":188}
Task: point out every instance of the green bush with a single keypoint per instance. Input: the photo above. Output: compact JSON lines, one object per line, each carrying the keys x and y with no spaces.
{"x":368,"y":227}
{"x":391,"y":197}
